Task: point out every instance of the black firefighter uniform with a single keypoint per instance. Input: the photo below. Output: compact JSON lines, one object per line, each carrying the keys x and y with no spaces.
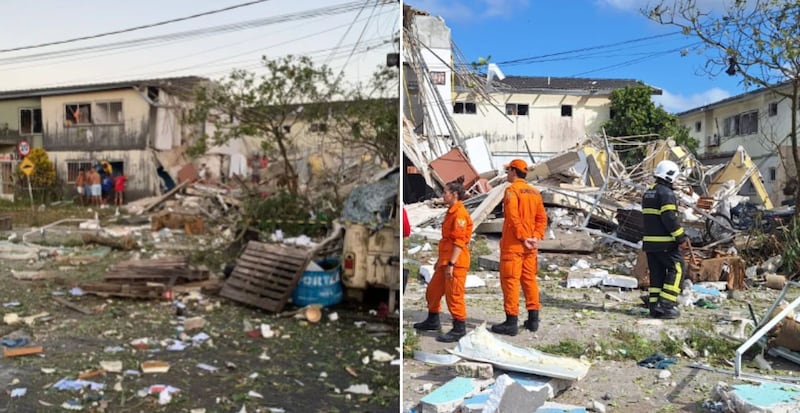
{"x":661,"y":235}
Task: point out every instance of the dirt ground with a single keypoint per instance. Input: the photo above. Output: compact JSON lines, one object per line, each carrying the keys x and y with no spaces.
{"x":305,"y":368}
{"x":611,"y":334}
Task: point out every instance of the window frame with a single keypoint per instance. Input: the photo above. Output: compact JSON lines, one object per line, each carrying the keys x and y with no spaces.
{"x":33,"y":122}
{"x":566,"y":111}
{"x":108,"y":102}
{"x":772,"y":109}
{"x":74,"y":166}
{"x":70,"y":122}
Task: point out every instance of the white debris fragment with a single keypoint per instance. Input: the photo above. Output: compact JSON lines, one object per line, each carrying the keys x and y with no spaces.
{"x":381,"y":356}
{"x":255,"y":394}
{"x":365,"y":360}
{"x":358,"y":389}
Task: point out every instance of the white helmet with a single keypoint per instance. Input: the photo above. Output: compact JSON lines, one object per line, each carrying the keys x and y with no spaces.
{"x":667,"y":170}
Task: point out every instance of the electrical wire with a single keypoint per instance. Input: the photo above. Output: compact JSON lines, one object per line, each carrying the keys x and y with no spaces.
{"x":135,"y":28}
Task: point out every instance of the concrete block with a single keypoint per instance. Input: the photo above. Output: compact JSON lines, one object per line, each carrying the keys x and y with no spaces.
{"x":552,"y":407}
{"x":621,"y":281}
{"x":768,"y":397}
{"x":585,"y":278}
{"x":508,"y":395}
{"x":475,"y":369}
{"x":534,"y":383}
{"x":449,"y":396}
{"x":476,"y":403}
{"x":489,"y":262}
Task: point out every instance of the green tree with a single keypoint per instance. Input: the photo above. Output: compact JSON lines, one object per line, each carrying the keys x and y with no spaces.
{"x":293,"y":91}
{"x":368,"y":119}
{"x":635,"y":114}
{"x":43,"y":178}
{"x":758,"y":40}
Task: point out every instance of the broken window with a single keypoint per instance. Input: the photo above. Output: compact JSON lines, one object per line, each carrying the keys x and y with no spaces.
{"x":30,"y":121}
{"x":741,"y":124}
{"x":287,"y":129}
{"x":516,"y":109}
{"x":317,"y":127}
{"x":77,"y":114}
{"x":698,"y":126}
{"x":566,"y":111}
{"x":74,"y":167}
{"x":465,"y":107}
{"x":470,"y":108}
{"x":108,"y":112}
{"x":773,"y":109}
{"x":748,"y":123}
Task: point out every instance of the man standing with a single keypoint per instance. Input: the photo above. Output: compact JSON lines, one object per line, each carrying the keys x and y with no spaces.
{"x":663,"y":239}
{"x":525,"y":221}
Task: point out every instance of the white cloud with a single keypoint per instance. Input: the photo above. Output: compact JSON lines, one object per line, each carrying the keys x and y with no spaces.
{"x":468,"y":11}
{"x":678,"y":103}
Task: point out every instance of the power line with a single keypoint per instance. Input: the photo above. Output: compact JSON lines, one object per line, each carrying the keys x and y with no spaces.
{"x":638,"y":60}
{"x":135,"y":28}
{"x":342,"y":8}
{"x":583,"y":49}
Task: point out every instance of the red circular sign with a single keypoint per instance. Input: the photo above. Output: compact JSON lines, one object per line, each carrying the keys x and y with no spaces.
{"x":24,"y":148}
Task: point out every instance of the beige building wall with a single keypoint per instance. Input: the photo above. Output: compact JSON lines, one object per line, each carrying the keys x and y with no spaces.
{"x":135,"y":109}
{"x":10,"y":119}
{"x":543,"y":128}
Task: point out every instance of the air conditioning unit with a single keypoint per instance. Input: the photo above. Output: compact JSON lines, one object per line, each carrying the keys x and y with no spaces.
{"x":712,"y":140}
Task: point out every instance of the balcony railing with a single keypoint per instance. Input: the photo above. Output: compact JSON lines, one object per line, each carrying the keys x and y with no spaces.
{"x":94,"y":137}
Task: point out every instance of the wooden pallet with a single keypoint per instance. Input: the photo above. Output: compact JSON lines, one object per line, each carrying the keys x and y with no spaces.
{"x":103,"y":289}
{"x":266,"y":274}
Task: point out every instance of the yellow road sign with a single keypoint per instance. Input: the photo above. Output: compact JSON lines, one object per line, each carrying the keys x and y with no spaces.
{"x":26,"y":166}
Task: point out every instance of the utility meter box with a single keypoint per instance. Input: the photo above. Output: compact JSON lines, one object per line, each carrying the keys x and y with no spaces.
{"x":371,"y":257}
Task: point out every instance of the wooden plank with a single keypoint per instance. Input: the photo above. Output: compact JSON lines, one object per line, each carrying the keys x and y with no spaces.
{"x":163,"y":198}
{"x":267,"y":267}
{"x":594,"y":171}
{"x":291,"y":256}
{"x":285,"y":279}
{"x":72,"y":306}
{"x":253,"y":289}
{"x":268,"y":282}
{"x":244,"y":298}
{"x":282,"y":259}
{"x":493,"y":198}
{"x":21,"y":351}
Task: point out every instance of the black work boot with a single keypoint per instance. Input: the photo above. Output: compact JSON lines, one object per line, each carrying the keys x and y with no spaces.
{"x":459,"y":330}
{"x":655,"y":312}
{"x":430,"y":324}
{"x":667,"y":309}
{"x":509,"y":327}
{"x":532,"y":323}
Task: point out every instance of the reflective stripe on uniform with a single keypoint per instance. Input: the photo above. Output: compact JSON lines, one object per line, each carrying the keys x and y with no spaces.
{"x":658,"y":238}
{"x":651,"y":211}
{"x":677,"y":233}
{"x":671,"y":291}
{"x":668,"y":207}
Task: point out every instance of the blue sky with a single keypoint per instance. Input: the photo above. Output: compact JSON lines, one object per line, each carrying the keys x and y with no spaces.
{"x":509,"y":30}
{"x":360,"y":37}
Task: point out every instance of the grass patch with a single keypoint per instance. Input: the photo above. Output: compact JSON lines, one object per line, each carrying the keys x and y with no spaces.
{"x":410,"y":343}
{"x":477,"y":248}
{"x":567,"y":348}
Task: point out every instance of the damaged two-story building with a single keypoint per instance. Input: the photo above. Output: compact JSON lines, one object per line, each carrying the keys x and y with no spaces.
{"x":137,"y":126}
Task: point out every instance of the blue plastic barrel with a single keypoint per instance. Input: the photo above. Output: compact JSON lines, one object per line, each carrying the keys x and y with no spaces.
{"x":320,"y":287}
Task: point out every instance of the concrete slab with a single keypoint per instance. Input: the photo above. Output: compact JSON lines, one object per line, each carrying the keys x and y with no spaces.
{"x":481,"y":345}
{"x":586,"y":278}
{"x":552,"y":407}
{"x":621,"y":281}
{"x":767,"y":397}
{"x":449,"y":396}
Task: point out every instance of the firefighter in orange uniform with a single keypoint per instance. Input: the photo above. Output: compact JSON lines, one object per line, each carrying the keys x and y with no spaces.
{"x":450,"y":275}
{"x":525,"y":221}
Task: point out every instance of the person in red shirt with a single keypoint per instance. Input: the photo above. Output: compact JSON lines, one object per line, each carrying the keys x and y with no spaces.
{"x":450,"y":275}
{"x":119,"y":188}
